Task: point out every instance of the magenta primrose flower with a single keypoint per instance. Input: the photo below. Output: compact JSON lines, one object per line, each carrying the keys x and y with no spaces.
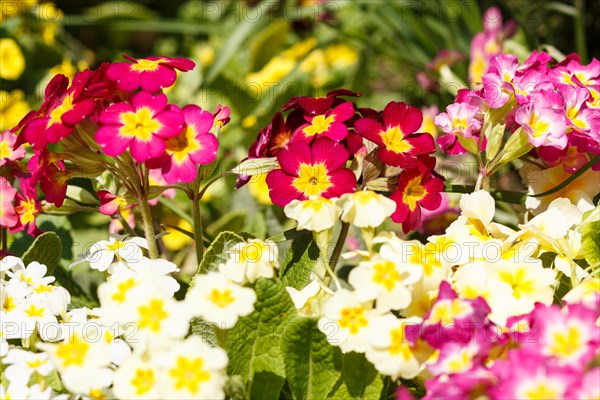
{"x":7,"y":148}
{"x":459,"y":119}
{"x":8,"y":216}
{"x":140,"y":126}
{"x":331,"y":124}
{"x":194,"y":145}
{"x":317,"y":170}
{"x":151,"y":74}
{"x":543,"y":123}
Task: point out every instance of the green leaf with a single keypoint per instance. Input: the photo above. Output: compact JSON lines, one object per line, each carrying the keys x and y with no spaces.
{"x":45,"y":249}
{"x":516,"y":146}
{"x":216,"y":252}
{"x":299,"y":261}
{"x":494,"y":136}
{"x":205,"y":330}
{"x":81,"y":195}
{"x":590,"y":236}
{"x":234,"y":220}
{"x":253,"y":344}
{"x":468,"y":143}
{"x":359,"y":379}
{"x":53,"y":380}
{"x":312,"y":365}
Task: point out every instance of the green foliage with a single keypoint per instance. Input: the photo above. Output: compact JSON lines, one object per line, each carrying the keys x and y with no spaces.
{"x":215,"y":254}
{"x":299,"y":261}
{"x":45,"y":249}
{"x":312,"y":365}
{"x":359,"y":379}
{"x":253,"y":344}
{"x":590,"y":237}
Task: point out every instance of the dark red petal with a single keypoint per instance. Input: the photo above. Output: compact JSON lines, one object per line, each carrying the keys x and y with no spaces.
{"x":397,"y":159}
{"x":402,"y":209}
{"x":409,"y":119}
{"x":422,"y":143}
{"x":344,"y":181}
{"x":343,"y":112}
{"x":412,"y":222}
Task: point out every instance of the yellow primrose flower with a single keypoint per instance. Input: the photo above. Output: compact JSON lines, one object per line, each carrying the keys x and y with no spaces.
{"x":11,"y":59}
{"x":341,"y":56}
{"x":13,"y":107}
{"x":259,"y":189}
{"x":176,"y":240}
{"x":66,"y":68}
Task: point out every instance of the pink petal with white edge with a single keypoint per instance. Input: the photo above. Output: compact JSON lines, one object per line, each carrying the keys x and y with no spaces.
{"x":201,"y":120}
{"x":208,"y":149}
{"x":142,"y":151}
{"x":180,"y":172}
{"x":111,"y":142}
{"x":171,"y":124}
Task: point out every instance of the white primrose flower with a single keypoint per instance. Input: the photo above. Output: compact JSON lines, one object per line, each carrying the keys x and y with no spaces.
{"x":315,"y":214}
{"x":384,"y":280}
{"x":389,"y":351}
{"x":365,"y":208}
{"x":102,"y":254}
{"x":22,"y":364}
{"x":346,"y":321}
{"x":248,"y":261}
{"x":587,"y":291}
{"x":309,"y":301}
{"x":80,"y":358}
{"x":193,"y":369}
{"x":32,"y":275}
{"x":158,"y":270}
{"x":35,"y":315}
{"x":137,"y":378}
{"x":218,"y":300}
{"x":12,"y":294}
{"x":20,"y":391}
{"x":10,"y":263}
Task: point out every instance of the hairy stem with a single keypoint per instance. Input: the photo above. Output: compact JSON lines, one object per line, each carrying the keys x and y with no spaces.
{"x":197,"y":219}
{"x":339,"y":245}
{"x":148,"y":227}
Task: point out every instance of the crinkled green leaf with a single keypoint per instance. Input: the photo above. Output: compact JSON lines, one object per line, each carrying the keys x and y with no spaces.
{"x":253,"y":344}
{"x":312,"y":365}
{"x":590,"y":236}
{"x":216,"y":252}
{"x":45,"y":249}
{"x":299,"y":261}
{"x":359,"y":379}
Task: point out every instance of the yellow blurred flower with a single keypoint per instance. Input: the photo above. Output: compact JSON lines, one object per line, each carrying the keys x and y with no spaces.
{"x":11,"y":60}
{"x":301,"y":49}
{"x":259,"y":189}
{"x":341,"y":56}
{"x":314,"y":61}
{"x":205,"y":54}
{"x":14,"y":8}
{"x":276,"y":69}
{"x":50,"y":16}
{"x":249,"y":121}
{"x":428,"y":125}
{"x":176,"y":240}
{"x":13,"y":107}
{"x":66,"y":68}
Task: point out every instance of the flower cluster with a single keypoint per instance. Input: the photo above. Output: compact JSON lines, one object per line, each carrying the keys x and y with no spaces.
{"x":115,"y":118}
{"x":136,"y":344}
{"x":308,"y":153}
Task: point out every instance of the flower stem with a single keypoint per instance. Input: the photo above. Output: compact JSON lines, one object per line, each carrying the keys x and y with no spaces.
{"x":197,"y":219}
{"x":339,"y":245}
{"x":4,"y":238}
{"x":148,"y":227}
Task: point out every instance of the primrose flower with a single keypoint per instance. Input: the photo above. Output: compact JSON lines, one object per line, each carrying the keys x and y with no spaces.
{"x":22,"y":364}
{"x":248,"y":261}
{"x":109,"y":203}
{"x":141,"y":126}
{"x":137,"y":378}
{"x":346,"y":321}
{"x":315,"y":170}
{"x":8,"y":216}
{"x":151,"y":74}
{"x":365,"y":208}
{"x":193,"y":146}
{"x":385,"y":280}
{"x":192,"y":369}
{"x":216,"y":299}
{"x":309,"y":301}
{"x":390,"y":351}
{"x":544,"y":125}
{"x":395,"y":135}
{"x":330,"y":124}
{"x":578,"y":116}
{"x":587,"y":291}
{"x":418,"y":187}
{"x":316,"y":214}
{"x":102,"y":254}
{"x":27,"y":207}
{"x":33,"y":275}
{"x":7,"y":151}
{"x":13,"y":61}
{"x":459,"y":119}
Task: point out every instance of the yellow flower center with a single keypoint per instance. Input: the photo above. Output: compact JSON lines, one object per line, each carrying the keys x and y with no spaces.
{"x":365,"y":196}
{"x":413,"y":193}
{"x":27,"y":211}
{"x":8,"y":304}
{"x":319,"y":124}
{"x":35,"y":363}
{"x":566,"y":343}
{"x":183,"y":144}
{"x":221,"y":298}
{"x":540,"y":391}
{"x":252,"y":252}
{"x":57,"y":113}
{"x":312,"y":179}
{"x":143,"y":381}
{"x":73,"y":352}
{"x":116,"y":245}
{"x":5,"y":150}
{"x":139,"y":124}
{"x":152,"y":315}
{"x":537,"y":126}
{"x":386,"y":275}
{"x":189,"y":374}
{"x":33,"y":311}
{"x":400,"y":344}
{"x":146,"y":65}
{"x":122,"y":289}
{"x":393,"y":139}
{"x":459,"y":363}
{"x":353,"y":319}
{"x":521,"y":284}
{"x":96,"y":394}
{"x":446,"y":311}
